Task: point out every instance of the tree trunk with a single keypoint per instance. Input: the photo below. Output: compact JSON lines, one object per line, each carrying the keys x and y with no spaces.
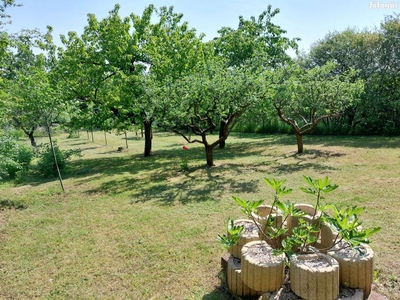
{"x":126,"y":139}
{"x":32,"y":139}
{"x":148,"y":136}
{"x":299,"y":143}
{"x":209,"y":156}
{"x":55,"y":157}
{"x":221,"y":134}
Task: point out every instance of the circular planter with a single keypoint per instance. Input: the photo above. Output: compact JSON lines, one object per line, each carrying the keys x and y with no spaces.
{"x":284,"y":293}
{"x":311,"y":216}
{"x":328,"y":236}
{"x":234,"y":279}
{"x":314,"y":276}
{"x":250,"y":233}
{"x":263,"y":213}
{"x":261,"y":269}
{"x":356,"y":271}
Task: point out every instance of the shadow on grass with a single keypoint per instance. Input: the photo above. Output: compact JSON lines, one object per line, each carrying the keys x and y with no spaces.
{"x":221,"y":292}
{"x":158,"y":178}
{"x":372,"y":142}
{"x":11,"y":204}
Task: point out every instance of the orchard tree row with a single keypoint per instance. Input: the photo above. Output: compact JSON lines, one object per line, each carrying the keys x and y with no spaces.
{"x":154,"y":70}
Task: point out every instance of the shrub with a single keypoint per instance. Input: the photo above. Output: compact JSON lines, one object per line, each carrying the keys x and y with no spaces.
{"x":46,"y":164}
{"x":14,"y":156}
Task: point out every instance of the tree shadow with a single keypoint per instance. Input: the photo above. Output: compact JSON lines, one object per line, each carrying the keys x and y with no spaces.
{"x":158,"y":177}
{"x":305,"y":161}
{"x":165,"y":184}
{"x":372,"y":142}
{"x":166,"y":191}
{"x":12,"y":204}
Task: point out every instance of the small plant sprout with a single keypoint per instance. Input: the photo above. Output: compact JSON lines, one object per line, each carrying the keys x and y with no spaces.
{"x":233,"y":236}
{"x":280,"y":190}
{"x":302,"y":236}
{"x":316,"y":187}
{"x":246,"y":206}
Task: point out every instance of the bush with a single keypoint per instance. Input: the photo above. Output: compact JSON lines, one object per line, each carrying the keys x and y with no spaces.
{"x":14,"y":156}
{"x":46,"y":164}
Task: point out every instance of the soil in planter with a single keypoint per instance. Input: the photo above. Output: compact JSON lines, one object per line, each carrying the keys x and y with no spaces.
{"x":316,"y":263}
{"x":262,"y":254}
{"x":249,"y":228}
{"x":345,"y":250}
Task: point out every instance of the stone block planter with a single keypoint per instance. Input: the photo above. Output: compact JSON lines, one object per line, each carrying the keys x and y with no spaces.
{"x":249,"y":234}
{"x":356,"y":269}
{"x":327,"y":236}
{"x":286,"y":294}
{"x":311,"y":216}
{"x":234,"y":279}
{"x":314,"y":276}
{"x":262,"y":214}
{"x":261,"y":269}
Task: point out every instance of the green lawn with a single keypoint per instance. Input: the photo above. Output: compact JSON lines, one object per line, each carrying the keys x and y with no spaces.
{"x":130,"y":227}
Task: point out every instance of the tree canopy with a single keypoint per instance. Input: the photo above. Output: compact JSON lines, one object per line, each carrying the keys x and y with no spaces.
{"x":304,"y":98}
{"x":153,"y":69}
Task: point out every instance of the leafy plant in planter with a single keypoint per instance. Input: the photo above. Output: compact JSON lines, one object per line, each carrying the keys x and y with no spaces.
{"x":233,"y":236}
{"x":297,"y":235}
{"x":350,"y":248}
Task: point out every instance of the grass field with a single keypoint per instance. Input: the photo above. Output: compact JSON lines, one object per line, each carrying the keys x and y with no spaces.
{"x":130,"y":227}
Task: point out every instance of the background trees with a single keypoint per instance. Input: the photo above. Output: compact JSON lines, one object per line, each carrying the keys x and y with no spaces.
{"x":117,"y":62}
{"x":373,"y":54}
{"x":304,"y":98}
{"x":212,"y":95}
{"x":30,"y":96}
{"x":151,"y":69}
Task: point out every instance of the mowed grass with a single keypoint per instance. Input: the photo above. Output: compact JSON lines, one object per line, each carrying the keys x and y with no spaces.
{"x":130,"y":227}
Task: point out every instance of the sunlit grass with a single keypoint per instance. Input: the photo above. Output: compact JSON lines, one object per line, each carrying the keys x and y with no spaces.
{"x":130,"y":227}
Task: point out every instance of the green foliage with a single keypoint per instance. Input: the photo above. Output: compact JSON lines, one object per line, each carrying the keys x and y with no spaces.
{"x":256,"y":41}
{"x":317,"y":186}
{"x":209,"y":96}
{"x":4,"y":5}
{"x":280,"y":190}
{"x":234,"y":234}
{"x":304,"y":98}
{"x":374,"y":54}
{"x":301,"y":238}
{"x":14,"y":156}
{"x":247,"y":206}
{"x":346,"y":222}
{"x":288,"y":208}
{"x":46,"y":164}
